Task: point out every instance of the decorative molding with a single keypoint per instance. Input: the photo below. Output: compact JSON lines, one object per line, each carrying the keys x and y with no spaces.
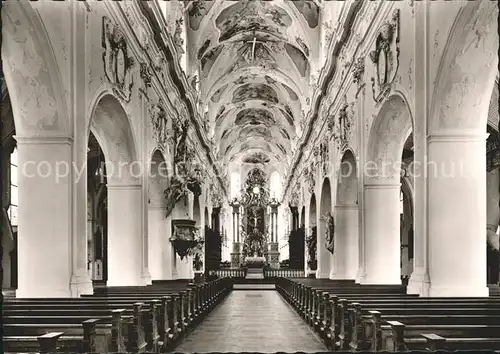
{"x":386,"y":57}
{"x":324,"y":153}
{"x":358,"y":71}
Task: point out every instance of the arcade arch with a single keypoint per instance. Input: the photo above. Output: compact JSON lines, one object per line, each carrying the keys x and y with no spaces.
{"x":345,"y":265}
{"x":312,"y":237}
{"x":111,"y":127}
{"x":324,"y":256}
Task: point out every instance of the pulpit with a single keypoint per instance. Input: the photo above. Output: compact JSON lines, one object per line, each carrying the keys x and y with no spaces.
{"x":255,"y":267}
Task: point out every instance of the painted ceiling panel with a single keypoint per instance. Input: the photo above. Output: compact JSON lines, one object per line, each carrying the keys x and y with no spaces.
{"x":253,"y":58}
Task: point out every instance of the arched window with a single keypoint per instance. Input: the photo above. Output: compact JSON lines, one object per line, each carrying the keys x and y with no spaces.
{"x":275,"y":185}
{"x":235,"y":185}
{"x":14,"y":195}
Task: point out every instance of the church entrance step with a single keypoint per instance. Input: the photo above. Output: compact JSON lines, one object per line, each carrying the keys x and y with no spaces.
{"x":255,"y":286}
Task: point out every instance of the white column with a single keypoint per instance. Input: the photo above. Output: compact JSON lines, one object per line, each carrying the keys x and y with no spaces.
{"x":361,"y":121}
{"x":457,"y":215}
{"x":345,"y":259}
{"x":382,"y":244}
{"x":80,"y":278}
{"x":324,"y":257}
{"x":160,"y":248}
{"x":45,"y":258}
{"x":124,"y":235}
{"x":419,"y":279}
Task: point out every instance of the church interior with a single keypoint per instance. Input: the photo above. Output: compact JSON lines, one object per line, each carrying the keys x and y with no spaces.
{"x":250,"y":176}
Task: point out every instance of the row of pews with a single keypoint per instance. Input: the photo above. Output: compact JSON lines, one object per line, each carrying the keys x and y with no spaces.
{"x":115,"y":319}
{"x":355,"y":317}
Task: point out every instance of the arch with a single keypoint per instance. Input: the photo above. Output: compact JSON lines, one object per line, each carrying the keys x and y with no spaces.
{"x":312,"y":244}
{"x":387,"y":138}
{"x":467,"y":70}
{"x":32,"y":73}
{"x":303,"y":217}
{"x":347,"y":180}
{"x":325,"y":210}
{"x":312,"y":211}
{"x":207,"y":217}
{"x":158,"y":179}
{"x":127,"y":238}
{"x":197,"y":211}
{"x":111,"y":126}
{"x":347,"y":244}
{"x":382,"y":189}
{"x":97,"y":195}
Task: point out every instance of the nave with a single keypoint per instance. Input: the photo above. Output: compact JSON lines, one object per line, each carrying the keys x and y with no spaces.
{"x":158,"y":155}
{"x":301,"y":315}
{"x":252,"y":321}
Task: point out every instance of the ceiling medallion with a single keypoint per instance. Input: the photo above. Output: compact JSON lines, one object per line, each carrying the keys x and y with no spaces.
{"x":386,"y":57}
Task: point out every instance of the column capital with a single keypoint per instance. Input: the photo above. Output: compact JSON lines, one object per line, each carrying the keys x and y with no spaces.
{"x":347,"y":206}
{"x":130,"y":186}
{"x":382,"y":184}
{"x":43,"y":140}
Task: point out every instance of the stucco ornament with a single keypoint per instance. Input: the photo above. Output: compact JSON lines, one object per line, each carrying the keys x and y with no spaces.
{"x":385,"y":56}
{"x":324,"y":154}
{"x":159,"y":122}
{"x":118,"y":64}
{"x":38,"y":105}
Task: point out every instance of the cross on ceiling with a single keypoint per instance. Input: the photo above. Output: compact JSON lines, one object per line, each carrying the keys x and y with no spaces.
{"x":254,"y":42}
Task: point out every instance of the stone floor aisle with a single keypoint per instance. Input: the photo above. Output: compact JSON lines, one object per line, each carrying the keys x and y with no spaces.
{"x":252,"y":321}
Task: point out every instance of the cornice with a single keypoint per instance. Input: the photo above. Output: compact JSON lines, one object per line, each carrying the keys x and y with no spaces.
{"x":329,"y":75}
{"x":325,"y":80}
{"x":164,"y":44}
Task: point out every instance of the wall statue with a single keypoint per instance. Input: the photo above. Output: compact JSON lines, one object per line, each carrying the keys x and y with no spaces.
{"x":330,"y":233}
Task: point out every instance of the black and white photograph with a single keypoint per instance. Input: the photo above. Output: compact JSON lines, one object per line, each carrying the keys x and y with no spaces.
{"x":250,"y":176}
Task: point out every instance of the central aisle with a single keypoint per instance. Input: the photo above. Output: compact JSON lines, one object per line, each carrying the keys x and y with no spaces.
{"x":252,"y":321}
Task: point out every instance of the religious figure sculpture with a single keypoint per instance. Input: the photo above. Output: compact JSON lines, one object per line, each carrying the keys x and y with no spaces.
{"x":330,"y":233}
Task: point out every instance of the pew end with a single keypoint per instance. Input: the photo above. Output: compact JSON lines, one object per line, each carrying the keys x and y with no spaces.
{"x":49,"y":342}
{"x":434,"y":342}
{"x":393,"y":336}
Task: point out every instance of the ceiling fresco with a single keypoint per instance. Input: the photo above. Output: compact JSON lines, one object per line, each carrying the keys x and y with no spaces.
{"x":253,"y":59}
{"x":255,"y":92}
{"x":256,"y":158}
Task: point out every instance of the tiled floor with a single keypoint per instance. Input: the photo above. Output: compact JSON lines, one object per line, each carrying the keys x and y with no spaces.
{"x":252,"y":321}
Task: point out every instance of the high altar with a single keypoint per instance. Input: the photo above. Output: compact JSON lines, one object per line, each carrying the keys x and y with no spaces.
{"x":256,"y":242}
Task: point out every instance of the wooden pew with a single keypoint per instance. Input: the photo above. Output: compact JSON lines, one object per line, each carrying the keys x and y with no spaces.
{"x":308,"y":297}
{"x":149,"y":322}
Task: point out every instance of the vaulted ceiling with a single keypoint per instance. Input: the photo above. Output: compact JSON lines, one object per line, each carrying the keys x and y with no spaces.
{"x":254,"y":63}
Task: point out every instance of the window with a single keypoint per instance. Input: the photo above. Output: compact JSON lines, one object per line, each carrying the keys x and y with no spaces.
{"x":235,"y":185}
{"x":275,"y":185}
{"x":14,"y":195}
